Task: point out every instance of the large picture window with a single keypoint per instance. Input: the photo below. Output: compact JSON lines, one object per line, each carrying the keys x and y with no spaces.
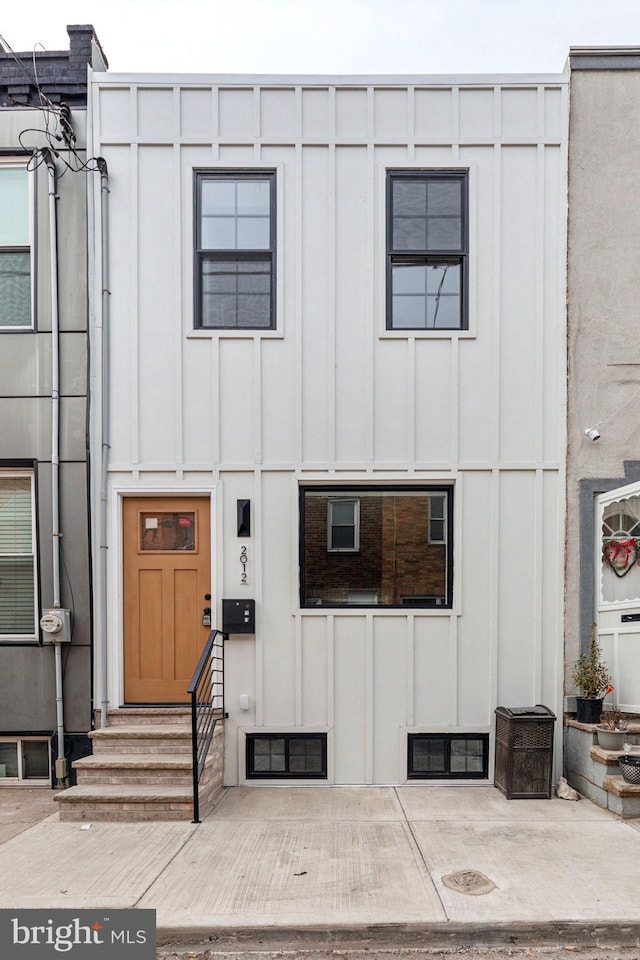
{"x":427,"y":250}
{"x":17,"y":558}
{"x":235,"y":250}
{"x":374,"y":546}
{"x":15,"y":247}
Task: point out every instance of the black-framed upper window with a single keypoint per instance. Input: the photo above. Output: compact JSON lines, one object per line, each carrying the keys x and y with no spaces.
{"x":427,"y":250}
{"x":287,"y":755}
{"x":392,"y":547}
{"x":235,"y":250}
{"x":447,"y":756}
{"x":15,"y":247}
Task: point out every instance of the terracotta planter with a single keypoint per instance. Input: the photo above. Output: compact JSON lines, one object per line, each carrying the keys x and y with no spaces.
{"x":589,"y":709}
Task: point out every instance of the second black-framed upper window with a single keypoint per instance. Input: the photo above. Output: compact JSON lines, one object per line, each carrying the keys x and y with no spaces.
{"x":235,"y":250}
{"x":427,"y":249}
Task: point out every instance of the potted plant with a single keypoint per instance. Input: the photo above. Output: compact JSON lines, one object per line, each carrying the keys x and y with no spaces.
{"x":612,"y":729}
{"x":593,"y":680}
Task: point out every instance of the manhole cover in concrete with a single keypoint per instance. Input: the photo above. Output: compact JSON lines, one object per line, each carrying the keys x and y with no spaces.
{"x":469,"y":881}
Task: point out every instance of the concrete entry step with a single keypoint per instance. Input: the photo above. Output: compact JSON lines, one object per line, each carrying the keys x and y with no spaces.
{"x":141,"y":769}
{"x":174,"y":768}
{"x":125,"y":802}
{"x":624,"y":798}
{"x":139,"y":715}
{"x":134,"y":768}
{"x":143,"y":738}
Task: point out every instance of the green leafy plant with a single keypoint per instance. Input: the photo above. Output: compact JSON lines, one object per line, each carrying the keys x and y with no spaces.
{"x":590,"y":673}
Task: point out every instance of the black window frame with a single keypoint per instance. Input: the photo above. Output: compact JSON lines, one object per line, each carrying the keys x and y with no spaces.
{"x":13,"y":160}
{"x":351,"y":491}
{"x":425,"y":256}
{"x":447,"y":774}
{"x":252,"y":774}
{"x":208,"y":254}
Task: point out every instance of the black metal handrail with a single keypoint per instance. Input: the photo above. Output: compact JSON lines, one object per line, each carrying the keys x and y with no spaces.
{"x":207,"y":707}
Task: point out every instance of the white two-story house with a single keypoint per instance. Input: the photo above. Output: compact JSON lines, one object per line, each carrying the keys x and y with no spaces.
{"x":336,"y":400}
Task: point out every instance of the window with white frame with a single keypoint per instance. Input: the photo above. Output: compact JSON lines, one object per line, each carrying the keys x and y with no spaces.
{"x":17,"y":557}
{"x":343,"y":524}
{"x":437,"y":519}
{"x":25,"y":758}
{"x":376,"y":546}
{"x":235,"y":250}
{"x":427,"y":250}
{"x":15,"y":247}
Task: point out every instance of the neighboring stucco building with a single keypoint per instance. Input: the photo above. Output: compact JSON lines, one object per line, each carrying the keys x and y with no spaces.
{"x":603,"y":476}
{"x":341,"y":300}
{"x":44,"y":530}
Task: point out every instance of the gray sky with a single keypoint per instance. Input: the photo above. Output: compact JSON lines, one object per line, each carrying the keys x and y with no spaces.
{"x":329,"y":36}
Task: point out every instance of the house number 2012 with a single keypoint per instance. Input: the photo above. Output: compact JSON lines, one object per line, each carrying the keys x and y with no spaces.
{"x":244,"y":562}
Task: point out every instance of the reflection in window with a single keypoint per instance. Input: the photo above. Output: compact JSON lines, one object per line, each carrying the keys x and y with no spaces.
{"x":235,"y":250}
{"x":15,"y":247}
{"x":376,"y":547}
{"x":295,"y":755}
{"x":448,"y":756}
{"x":427,"y":246}
{"x":167,"y":531}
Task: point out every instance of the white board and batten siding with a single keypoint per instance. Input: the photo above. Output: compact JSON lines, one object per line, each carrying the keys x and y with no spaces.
{"x":330,"y":395}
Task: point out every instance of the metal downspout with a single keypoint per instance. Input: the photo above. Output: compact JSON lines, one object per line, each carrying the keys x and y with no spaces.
{"x":104,"y":272}
{"x":61,"y":770}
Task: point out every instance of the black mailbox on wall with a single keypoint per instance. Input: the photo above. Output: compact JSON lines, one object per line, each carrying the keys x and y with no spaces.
{"x":238,"y":616}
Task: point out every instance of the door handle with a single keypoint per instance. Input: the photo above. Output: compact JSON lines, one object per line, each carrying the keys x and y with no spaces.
{"x":206,"y":617}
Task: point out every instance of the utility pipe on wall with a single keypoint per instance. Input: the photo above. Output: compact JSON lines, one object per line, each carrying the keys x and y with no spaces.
{"x":104,"y":252}
{"x":61,"y":770}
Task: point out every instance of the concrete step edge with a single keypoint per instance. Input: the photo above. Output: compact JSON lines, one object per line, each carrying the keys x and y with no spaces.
{"x":620,"y":787}
{"x":142,"y":732}
{"x":134,"y":761}
{"x":117,"y":793}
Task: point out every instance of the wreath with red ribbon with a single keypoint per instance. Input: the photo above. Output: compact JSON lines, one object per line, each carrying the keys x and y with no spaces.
{"x":621,"y":555}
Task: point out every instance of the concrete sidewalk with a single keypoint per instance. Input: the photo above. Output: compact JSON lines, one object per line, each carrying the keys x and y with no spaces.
{"x":364,"y":865}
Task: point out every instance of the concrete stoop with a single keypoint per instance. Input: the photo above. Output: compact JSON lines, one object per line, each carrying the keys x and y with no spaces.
{"x":594,"y":772}
{"x":140,"y":769}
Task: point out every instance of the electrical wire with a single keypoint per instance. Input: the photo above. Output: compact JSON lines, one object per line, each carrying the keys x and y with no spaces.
{"x":618,"y":409}
{"x":60,"y":138}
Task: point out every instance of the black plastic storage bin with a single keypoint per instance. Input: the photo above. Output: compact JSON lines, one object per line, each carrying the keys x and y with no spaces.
{"x":524,"y":752}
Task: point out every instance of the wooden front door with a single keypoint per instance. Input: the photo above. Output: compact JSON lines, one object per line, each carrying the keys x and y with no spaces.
{"x":167,"y":575}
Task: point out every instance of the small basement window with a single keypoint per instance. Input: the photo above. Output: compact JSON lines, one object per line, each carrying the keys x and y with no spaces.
{"x":25,"y":758}
{"x":448,"y":756}
{"x":292,"y":755}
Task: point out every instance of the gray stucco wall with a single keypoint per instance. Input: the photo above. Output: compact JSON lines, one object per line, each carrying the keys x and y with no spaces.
{"x":27,"y":675}
{"x":603,"y":311}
